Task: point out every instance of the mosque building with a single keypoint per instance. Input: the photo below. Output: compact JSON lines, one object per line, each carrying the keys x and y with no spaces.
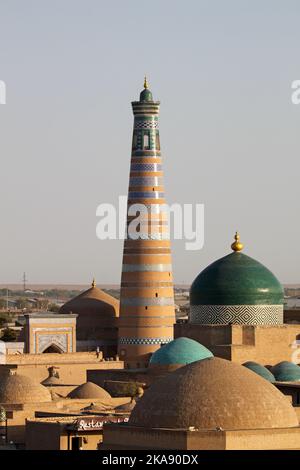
{"x":236,"y":311}
{"x":147,"y":311}
{"x":215,"y":381}
{"x":208,"y":404}
{"x":97,"y":315}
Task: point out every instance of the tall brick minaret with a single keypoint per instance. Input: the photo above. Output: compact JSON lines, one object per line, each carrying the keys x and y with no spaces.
{"x":147,"y":311}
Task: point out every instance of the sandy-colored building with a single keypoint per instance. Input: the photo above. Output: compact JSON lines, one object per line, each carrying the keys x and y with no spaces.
{"x":97,"y":317}
{"x":211,"y":404}
{"x":49,"y":332}
{"x":67,"y":432}
{"x":24,"y":398}
{"x":265,"y":344}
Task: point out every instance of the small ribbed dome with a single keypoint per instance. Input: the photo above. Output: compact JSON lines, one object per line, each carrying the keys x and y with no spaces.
{"x":236,"y":289}
{"x":213,"y":393}
{"x":90,"y":390}
{"x":17,"y":388}
{"x":260,"y":370}
{"x":180,"y":351}
{"x":286,"y":372}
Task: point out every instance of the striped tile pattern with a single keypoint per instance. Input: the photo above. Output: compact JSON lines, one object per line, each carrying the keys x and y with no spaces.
{"x":147,"y":310}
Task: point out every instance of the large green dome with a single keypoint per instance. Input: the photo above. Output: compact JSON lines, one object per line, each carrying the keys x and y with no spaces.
{"x":236,"y":289}
{"x":236,"y":279}
{"x":180,"y":351}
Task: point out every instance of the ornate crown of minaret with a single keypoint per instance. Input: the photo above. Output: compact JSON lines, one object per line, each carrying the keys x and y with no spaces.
{"x":147,"y":310}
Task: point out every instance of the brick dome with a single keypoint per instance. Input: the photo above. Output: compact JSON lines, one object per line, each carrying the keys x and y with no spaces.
{"x":17,"y":388}
{"x":90,"y":390}
{"x":97,"y":313}
{"x":213,"y":393}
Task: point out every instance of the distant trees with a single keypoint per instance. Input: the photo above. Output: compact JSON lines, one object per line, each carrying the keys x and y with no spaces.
{"x":22,"y":303}
{"x":9,"y":334}
{"x":53,"y":307}
{"x":3,"y":319}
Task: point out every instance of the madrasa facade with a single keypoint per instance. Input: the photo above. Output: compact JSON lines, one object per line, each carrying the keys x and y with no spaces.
{"x":225,"y":378}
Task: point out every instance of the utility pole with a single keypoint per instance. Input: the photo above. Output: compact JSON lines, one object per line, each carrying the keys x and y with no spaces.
{"x":24,"y":281}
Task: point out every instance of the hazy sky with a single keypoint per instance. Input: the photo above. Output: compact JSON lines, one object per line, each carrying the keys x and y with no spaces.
{"x":229,"y":132}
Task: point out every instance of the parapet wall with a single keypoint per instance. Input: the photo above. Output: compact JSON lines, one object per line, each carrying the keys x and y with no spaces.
{"x":49,"y":358}
{"x":265,"y":344}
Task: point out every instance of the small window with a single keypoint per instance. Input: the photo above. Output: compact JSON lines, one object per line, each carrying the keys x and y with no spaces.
{"x":134,"y":141}
{"x":156,"y":294}
{"x":157,"y":141}
{"x":146,"y":141}
{"x":146,"y":308}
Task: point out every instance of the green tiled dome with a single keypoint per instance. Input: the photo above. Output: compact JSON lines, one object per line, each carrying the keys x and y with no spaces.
{"x":146,"y":95}
{"x":260,"y":370}
{"x":236,"y":279}
{"x":286,"y":372}
{"x":180,"y":351}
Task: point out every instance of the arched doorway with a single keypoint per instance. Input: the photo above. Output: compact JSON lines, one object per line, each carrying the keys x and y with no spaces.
{"x":53,"y":349}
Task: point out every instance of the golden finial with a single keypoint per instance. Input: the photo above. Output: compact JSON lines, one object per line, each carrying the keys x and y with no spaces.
{"x":146,"y":83}
{"x":94,"y":283}
{"x":237,"y":245}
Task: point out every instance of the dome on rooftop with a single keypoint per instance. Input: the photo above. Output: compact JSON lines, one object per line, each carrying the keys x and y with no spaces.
{"x":260,"y":370}
{"x":96,"y":312}
{"x":213,"y":393}
{"x":146,"y":94}
{"x":236,"y":289}
{"x":180,"y":351}
{"x":286,"y":372}
{"x":17,"y":388}
{"x":90,"y":390}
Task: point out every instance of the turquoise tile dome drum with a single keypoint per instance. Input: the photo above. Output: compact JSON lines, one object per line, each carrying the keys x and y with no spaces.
{"x":260,"y":370}
{"x":236,"y":289}
{"x":180,"y":351}
{"x":286,"y":372}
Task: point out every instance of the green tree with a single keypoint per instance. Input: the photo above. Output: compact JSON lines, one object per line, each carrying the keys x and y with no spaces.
{"x":9,"y":335}
{"x":22,"y":303}
{"x":53,"y":307}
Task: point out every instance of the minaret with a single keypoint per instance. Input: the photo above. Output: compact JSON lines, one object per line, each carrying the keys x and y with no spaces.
{"x":147,"y":311}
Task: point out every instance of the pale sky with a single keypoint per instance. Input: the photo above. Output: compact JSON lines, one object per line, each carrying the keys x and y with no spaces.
{"x":229,"y":131}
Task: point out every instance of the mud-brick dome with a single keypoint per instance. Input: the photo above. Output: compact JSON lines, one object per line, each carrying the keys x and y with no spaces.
{"x":260,"y":370}
{"x":286,"y":371}
{"x":90,"y":390}
{"x":17,"y":388}
{"x":236,"y":289}
{"x":213,"y":393}
{"x":97,"y":313}
{"x":179,"y":352}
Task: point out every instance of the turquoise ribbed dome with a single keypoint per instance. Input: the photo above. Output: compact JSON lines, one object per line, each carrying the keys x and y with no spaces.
{"x":286,"y":372}
{"x":236,"y":279}
{"x":180,"y":351}
{"x":260,"y":370}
